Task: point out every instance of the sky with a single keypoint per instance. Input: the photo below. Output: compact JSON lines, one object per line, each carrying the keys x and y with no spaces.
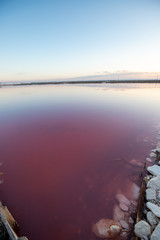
{"x":43,"y":40}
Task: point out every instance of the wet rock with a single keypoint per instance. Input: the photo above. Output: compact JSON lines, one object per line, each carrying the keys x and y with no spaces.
{"x":135,"y":191}
{"x":130,"y":220}
{"x":154,"y":170}
{"x":136,"y":162}
{"x":152,"y":219}
{"x":150,"y":194}
{"x":156,"y":233}
{"x":142,"y":229}
{"x":154,"y":208}
{"x":134,"y":203}
{"x":154,"y":183}
{"x":107,"y":228}
{"x":123,"y":235}
{"x":124,"y":224}
{"x":118,"y":214}
{"x":123,"y":207}
{"x":122,"y":199}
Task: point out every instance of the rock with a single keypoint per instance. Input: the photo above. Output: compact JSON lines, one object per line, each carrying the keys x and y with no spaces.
{"x":135,"y":162}
{"x":154,"y":208}
{"x":118,"y":214}
{"x":148,"y":160}
{"x":156,"y":233}
{"x":158,"y":145}
{"x":154,"y":170}
{"x":152,"y":219}
{"x":154,"y":150}
{"x":150,"y":194}
{"x":130,"y":220}
{"x":122,"y":199}
{"x":159,"y":163}
{"x":123,"y":207}
{"x":153,"y":155}
{"x":124,"y":224}
{"x":135,"y":191}
{"x":107,"y":228}
{"x":134,"y":203}
{"x":158,"y":195}
{"x":154,"y":183}
{"x":158,"y":149}
{"x":142,"y":229}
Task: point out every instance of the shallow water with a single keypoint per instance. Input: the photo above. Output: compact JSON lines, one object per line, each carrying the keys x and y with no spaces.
{"x":66,"y":152}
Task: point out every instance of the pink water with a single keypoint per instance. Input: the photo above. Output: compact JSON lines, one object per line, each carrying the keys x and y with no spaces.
{"x":65,"y":153}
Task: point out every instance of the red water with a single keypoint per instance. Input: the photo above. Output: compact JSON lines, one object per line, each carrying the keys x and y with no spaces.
{"x":64,"y":160}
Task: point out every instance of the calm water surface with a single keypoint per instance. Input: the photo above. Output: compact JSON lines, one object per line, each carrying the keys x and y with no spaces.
{"x":66,"y":152}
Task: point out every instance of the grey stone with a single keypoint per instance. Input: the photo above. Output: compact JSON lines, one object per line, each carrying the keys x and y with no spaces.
{"x":142,"y":229}
{"x":154,"y":208}
{"x":154,"y":170}
{"x":154,"y":183}
{"x":158,"y":195}
{"x":152,"y":219}
{"x":156,"y":233}
{"x":150,"y":194}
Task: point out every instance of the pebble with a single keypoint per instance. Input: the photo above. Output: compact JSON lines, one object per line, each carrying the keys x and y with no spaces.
{"x":150,"y":194}
{"x":154,"y":170}
{"x":142,"y":229}
{"x":154,"y":208}
{"x":152,"y":219}
{"x":154,"y":183}
{"x":156,"y":233}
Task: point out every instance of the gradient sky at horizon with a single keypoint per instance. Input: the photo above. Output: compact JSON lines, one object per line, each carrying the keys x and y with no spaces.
{"x":45,"y":40}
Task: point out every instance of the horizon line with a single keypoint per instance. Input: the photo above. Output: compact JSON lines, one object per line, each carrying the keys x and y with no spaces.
{"x":28,"y":83}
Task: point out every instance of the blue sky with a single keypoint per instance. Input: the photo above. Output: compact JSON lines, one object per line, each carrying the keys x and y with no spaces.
{"x":91,"y":39}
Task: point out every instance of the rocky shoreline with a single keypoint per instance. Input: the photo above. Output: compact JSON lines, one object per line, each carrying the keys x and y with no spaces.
{"x":138,"y":216}
{"x":148,"y":228}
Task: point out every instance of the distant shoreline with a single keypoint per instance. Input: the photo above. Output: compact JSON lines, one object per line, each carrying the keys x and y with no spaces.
{"x":77,"y":82}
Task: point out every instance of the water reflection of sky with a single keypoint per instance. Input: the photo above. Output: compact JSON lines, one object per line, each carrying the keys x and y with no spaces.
{"x":135,"y":99}
{"x":60,"y":145}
